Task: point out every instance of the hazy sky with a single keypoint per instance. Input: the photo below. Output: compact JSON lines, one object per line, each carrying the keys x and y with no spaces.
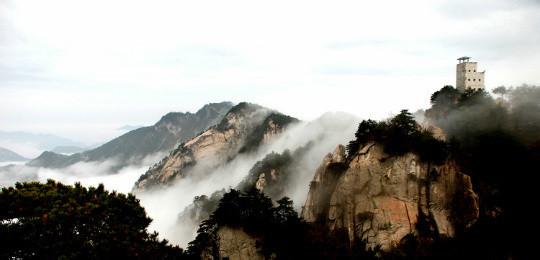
{"x":82,"y":69}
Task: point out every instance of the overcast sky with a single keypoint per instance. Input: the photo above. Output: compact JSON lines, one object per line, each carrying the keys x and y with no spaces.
{"x":82,"y":69}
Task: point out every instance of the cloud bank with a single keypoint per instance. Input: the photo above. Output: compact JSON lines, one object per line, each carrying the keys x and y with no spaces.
{"x":345,"y":55}
{"x":87,"y":173}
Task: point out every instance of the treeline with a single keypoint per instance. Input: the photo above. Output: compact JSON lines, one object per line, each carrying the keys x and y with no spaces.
{"x":497,"y":142}
{"x":279,"y":232}
{"x":399,"y":135}
{"x":56,"y":221}
{"x":277,"y":170}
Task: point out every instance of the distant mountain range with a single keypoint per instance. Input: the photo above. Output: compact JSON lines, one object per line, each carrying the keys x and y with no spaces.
{"x":42,"y":141}
{"x":10,"y":156}
{"x":31,"y":144}
{"x":134,"y":146}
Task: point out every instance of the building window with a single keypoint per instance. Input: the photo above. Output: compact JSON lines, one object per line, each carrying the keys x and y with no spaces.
{"x":479,"y":80}
{"x":474,"y":80}
{"x":469,"y":79}
{"x":474,"y":70}
{"x":469,"y":70}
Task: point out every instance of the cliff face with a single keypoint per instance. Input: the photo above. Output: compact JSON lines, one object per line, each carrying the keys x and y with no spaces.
{"x":236,"y":133}
{"x":235,"y":244}
{"x":381,"y":199}
{"x":323,"y":186}
{"x":275,"y":173}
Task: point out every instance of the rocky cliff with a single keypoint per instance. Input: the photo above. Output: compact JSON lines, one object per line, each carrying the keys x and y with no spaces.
{"x":235,"y":244}
{"x":380,"y":199}
{"x":242,"y":129}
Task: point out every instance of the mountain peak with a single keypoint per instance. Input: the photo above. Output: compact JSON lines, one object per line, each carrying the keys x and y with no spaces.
{"x":208,"y":111}
{"x":49,"y":159}
{"x":243,"y":129}
{"x":244,"y":107}
{"x":220,"y":106}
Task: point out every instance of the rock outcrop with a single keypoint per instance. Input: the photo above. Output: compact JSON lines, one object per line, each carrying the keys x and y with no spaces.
{"x":380,"y":199}
{"x":235,"y":244}
{"x":243,"y":128}
{"x":323,"y":185}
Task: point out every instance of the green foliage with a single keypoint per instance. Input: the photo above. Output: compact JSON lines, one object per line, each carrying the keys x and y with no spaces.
{"x":278,"y":170}
{"x":201,"y":208}
{"x":525,"y":114}
{"x":448,"y":99}
{"x":251,"y":211}
{"x":446,"y":96}
{"x":367,"y":131}
{"x":462,"y":113}
{"x":501,"y":90}
{"x":443,"y":101}
{"x":497,"y":144}
{"x":474,"y":97}
{"x":280,"y":232}
{"x":53,"y":220}
{"x":279,"y":163}
{"x":399,"y":135}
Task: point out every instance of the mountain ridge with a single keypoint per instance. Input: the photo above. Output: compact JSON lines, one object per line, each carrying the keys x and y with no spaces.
{"x":242,"y":129}
{"x":135,"y":145}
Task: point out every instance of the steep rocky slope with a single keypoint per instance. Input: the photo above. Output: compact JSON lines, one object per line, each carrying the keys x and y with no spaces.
{"x":242,"y":129}
{"x":271,"y":175}
{"x":380,"y":199}
{"x":167,"y":133}
{"x":274,"y":175}
{"x":235,"y":244}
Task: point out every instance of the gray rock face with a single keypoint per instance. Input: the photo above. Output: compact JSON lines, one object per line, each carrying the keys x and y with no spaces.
{"x":380,"y":199}
{"x":134,"y":146}
{"x":323,"y":186}
{"x":235,"y":244}
{"x":244,"y":127}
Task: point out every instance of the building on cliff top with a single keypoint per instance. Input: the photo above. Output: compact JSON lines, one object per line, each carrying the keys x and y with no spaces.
{"x":467,"y":76}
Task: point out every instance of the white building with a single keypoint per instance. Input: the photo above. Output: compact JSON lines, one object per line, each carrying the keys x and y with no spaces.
{"x":467,"y":76}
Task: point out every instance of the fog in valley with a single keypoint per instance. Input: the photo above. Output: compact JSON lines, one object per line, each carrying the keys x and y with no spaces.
{"x":165,"y":204}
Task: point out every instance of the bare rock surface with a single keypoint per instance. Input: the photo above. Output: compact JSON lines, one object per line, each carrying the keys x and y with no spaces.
{"x":380,"y":198}
{"x":242,"y":129}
